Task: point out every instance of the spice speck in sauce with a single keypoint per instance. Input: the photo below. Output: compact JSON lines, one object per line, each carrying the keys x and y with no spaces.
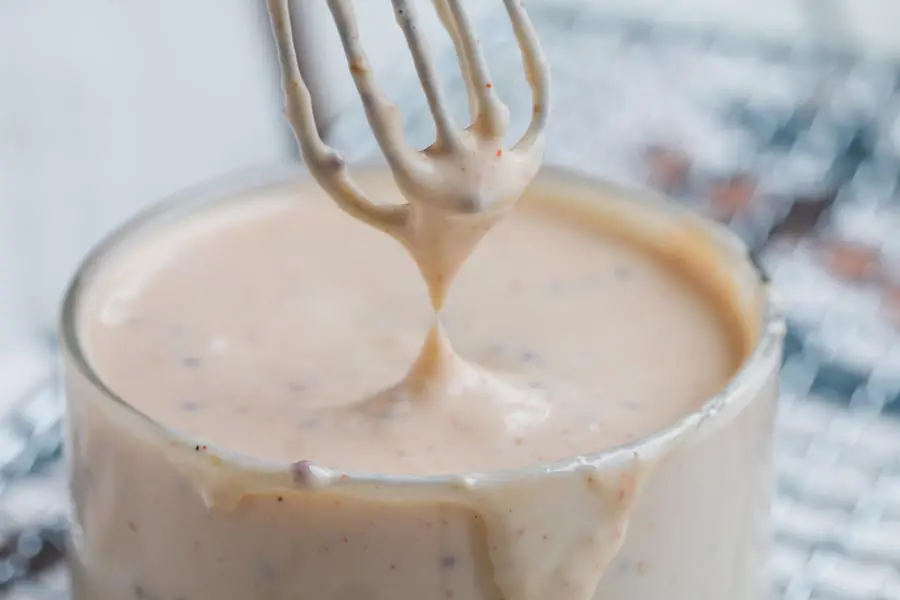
{"x":529,"y":356}
{"x":311,"y":423}
{"x":192,"y":362}
{"x":267,"y":571}
{"x":302,"y":473}
{"x":622,"y":273}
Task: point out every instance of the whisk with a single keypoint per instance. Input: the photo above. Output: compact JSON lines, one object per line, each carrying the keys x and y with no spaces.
{"x":465,"y":171}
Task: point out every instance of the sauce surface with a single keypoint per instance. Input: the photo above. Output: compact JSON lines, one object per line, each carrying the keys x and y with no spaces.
{"x":279,"y":328}
{"x":275,"y":326}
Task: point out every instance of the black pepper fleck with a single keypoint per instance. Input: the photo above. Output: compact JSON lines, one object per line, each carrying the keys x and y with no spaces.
{"x":302,"y":472}
{"x":192,"y":362}
{"x":448,"y":562}
{"x":311,"y":423}
{"x":267,"y":571}
{"x":530,"y":357}
{"x":622,"y":273}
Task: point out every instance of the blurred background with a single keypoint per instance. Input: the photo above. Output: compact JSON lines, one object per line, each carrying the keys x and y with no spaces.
{"x":780,"y":118}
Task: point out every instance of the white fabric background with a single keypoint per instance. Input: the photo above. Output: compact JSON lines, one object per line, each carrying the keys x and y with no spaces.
{"x":106,"y":105}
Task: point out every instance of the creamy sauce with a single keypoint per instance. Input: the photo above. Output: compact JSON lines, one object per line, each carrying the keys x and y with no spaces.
{"x":278,"y":329}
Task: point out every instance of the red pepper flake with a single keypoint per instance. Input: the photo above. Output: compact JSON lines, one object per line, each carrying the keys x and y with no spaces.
{"x":621,"y":495}
{"x":499,"y":153}
{"x":200,"y":447}
{"x":489,"y":85}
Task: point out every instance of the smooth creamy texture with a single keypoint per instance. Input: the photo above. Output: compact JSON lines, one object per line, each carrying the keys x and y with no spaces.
{"x":197,"y":324}
{"x":279,"y":328}
{"x":266,"y":327}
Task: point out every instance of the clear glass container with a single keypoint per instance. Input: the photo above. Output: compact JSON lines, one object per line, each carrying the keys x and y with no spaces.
{"x":155,"y":519}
